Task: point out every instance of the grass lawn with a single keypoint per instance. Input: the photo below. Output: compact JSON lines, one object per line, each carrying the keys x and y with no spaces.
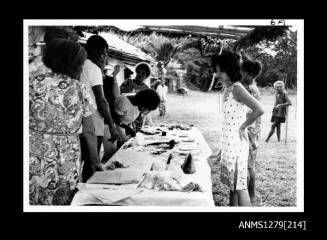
{"x":276,"y":162}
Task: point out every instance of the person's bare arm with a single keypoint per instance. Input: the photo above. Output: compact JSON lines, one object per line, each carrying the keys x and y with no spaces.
{"x":124,"y":137}
{"x":91,"y":141}
{"x":241,"y":94}
{"x":115,"y":88}
{"x":104,"y":110}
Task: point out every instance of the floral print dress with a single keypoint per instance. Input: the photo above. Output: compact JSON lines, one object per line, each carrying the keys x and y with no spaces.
{"x":254,"y":129}
{"x":234,"y":152}
{"x":37,"y":67}
{"x":57,"y":104}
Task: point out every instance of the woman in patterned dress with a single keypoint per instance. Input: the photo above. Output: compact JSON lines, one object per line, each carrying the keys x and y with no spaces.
{"x":251,"y":70}
{"x":234,"y":141}
{"x":60,"y":110}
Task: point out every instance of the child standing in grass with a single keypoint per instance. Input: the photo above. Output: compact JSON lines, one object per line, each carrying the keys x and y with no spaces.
{"x":279,"y":110}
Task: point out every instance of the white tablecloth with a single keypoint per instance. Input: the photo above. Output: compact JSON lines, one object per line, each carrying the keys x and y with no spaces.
{"x":129,"y":195}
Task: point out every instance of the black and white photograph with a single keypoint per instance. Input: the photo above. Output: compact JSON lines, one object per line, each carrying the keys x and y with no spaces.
{"x":153,"y":115}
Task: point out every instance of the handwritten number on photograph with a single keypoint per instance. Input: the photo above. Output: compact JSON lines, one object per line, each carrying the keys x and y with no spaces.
{"x":278,"y":22}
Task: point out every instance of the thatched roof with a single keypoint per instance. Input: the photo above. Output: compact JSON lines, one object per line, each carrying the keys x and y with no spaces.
{"x":222,"y":32}
{"x":245,"y":36}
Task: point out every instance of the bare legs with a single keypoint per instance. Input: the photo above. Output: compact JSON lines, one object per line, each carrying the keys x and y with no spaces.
{"x":233,"y":198}
{"x":272,"y":131}
{"x":243,"y":198}
{"x":278,"y":131}
{"x":109,"y":147}
{"x":239,"y":198}
{"x":251,"y":184}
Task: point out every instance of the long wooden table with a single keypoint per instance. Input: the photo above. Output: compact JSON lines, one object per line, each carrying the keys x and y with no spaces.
{"x":139,"y":159}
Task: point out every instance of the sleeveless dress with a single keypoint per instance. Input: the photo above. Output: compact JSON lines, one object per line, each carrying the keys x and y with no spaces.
{"x":234,"y":152}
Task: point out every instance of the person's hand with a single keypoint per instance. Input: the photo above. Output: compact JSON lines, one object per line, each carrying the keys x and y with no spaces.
{"x":242,"y":133}
{"x":114,"y":134}
{"x":130,"y":131}
{"x":96,"y":167}
{"x":278,"y":106}
{"x":116,"y":70}
{"x":125,"y":139}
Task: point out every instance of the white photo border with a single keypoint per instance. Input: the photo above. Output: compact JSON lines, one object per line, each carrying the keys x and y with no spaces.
{"x":299,"y":24}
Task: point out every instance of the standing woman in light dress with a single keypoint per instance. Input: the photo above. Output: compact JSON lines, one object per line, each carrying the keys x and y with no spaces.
{"x":233,"y":140}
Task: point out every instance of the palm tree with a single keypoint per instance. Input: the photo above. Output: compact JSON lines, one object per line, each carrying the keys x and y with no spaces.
{"x":161,"y":48}
{"x":139,"y":40}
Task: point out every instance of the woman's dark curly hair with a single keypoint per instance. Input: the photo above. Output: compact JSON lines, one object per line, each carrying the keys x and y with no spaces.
{"x":56,"y":32}
{"x":64,"y":56}
{"x":147,"y":98}
{"x":144,"y":66}
{"x":253,"y":68}
{"x":228,"y":62}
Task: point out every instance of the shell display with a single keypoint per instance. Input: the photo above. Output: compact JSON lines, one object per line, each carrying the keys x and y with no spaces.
{"x":188,"y":166}
{"x":160,"y":181}
{"x":175,"y":168}
{"x":166,"y":183}
{"x":159,"y":165}
{"x":149,"y":180}
{"x":192,"y":187}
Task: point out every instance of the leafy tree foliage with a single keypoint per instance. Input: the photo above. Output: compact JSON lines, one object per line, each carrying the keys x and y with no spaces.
{"x":280,"y":63}
{"x":198,"y":67}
